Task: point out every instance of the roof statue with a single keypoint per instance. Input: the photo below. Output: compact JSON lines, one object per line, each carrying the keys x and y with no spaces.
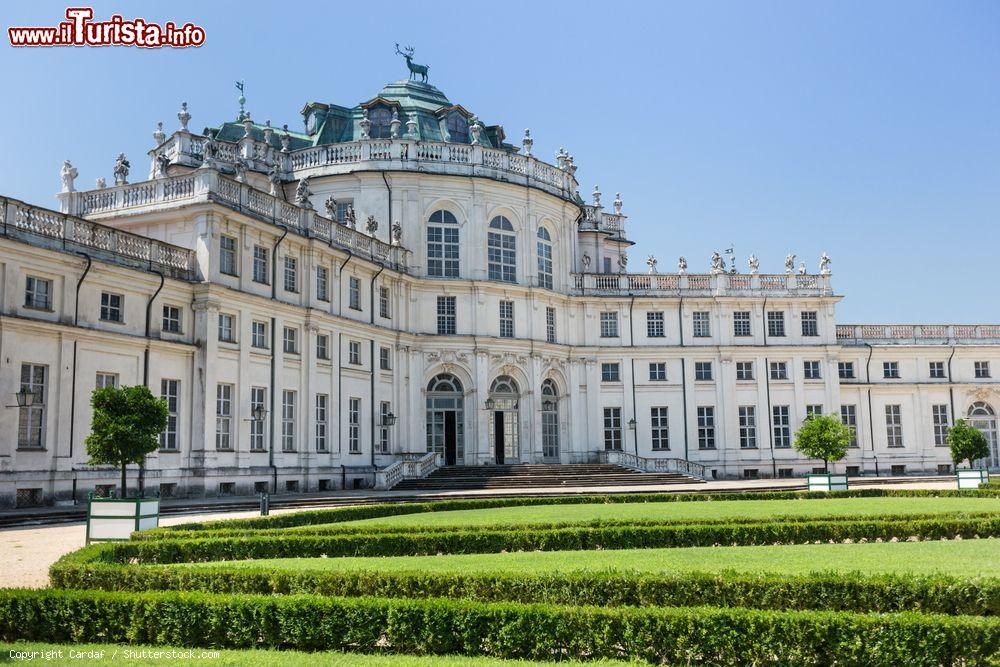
{"x":121,"y":170}
{"x":183,"y":116}
{"x":682,"y":266}
{"x":651,"y":263}
{"x":415,"y":70}
{"x":159,"y":136}
{"x":302,"y":193}
{"x":397,"y":233}
{"x":68,"y":173}
{"x":790,"y":262}
{"x":753,"y":263}
{"x":824,"y":264}
{"x":718,"y":264}
{"x":527,"y":142}
{"x":242,"y":100}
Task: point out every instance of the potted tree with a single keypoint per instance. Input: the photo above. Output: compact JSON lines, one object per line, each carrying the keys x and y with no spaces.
{"x":967,"y":443}
{"x":824,"y":437}
{"x":125,"y":428}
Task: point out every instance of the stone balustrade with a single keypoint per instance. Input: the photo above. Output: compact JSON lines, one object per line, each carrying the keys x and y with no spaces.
{"x":413,"y":466}
{"x":911,"y":333}
{"x":650,"y":464}
{"x":721,"y":284}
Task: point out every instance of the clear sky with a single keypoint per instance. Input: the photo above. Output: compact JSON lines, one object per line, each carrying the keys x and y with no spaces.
{"x":869,"y":130}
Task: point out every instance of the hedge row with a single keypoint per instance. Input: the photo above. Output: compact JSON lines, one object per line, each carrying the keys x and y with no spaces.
{"x":352,"y":529}
{"x":700,"y":635}
{"x":357,"y":513}
{"x":829,"y":591}
{"x":493,"y":541}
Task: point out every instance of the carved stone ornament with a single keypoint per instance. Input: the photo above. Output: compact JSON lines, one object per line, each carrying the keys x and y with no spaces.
{"x":586,"y":261}
{"x":617,"y":203}
{"x":365,"y":125}
{"x":411,"y":126}
{"x":274,"y":178}
{"x":331,"y":207}
{"x":371,"y":225}
{"x":183,"y":116}
{"x":121,"y":170}
{"x":397,"y":233}
{"x":302,"y":193}
{"x":162,"y":162}
{"x":101,"y":183}
{"x":159,"y":136}
{"x":597,"y":196}
{"x":394,"y":125}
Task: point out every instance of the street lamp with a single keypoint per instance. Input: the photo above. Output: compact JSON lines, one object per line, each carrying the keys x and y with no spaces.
{"x":631,"y":424}
{"x":548,"y":405}
{"x":258,"y":413}
{"x":389,"y":420}
{"x":490,"y":403}
{"x":26,"y":398}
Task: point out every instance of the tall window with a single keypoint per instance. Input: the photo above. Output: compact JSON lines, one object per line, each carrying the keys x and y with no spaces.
{"x":290,"y":340}
{"x":381,"y":119}
{"x":261,"y":260}
{"x":810,"y":323}
{"x":849,"y":418}
{"x":31,"y":419}
{"x":354,"y":352}
{"x":111,"y":307}
{"x":702,"y":326}
{"x":506,"y":319}
{"x":779,"y":370}
{"x":776,"y":323}
{"x":939,"y":416}
{"x":354,"y":425}
{"x":288,"y":420}
{"x":706,"y":427}
{"x":744,"y":370}
{"x":845,"y":370}
{"x":322,"y":283}
{"x":937,"y":370}
{"x":354,"y":293}
{"x":890,"y":369}
{"x":385,"y":358}
{"x":227,"y":255}
{"x":544,"y":258}
{"x":550,"y":420}
{"x":383,"y":303}
{"x":442,"y":245}
{"x":501,"y":250}
{"x":611,"y":372}
{"x":258,"y":400}
{"x":748,"y":426}
{"x":658,"y":371}
{"x":38,"y":293}
{"x":654,"y":324}
{"x":458,"y":128}
{"x":291,"y":274}
{"x":171,"y":319}
{"x":703,"y":370}
{"x":223,"y":416}
{"x":227,"y":328}
{"x":609,"y":324}
{"x":659,"y":428}
{"x":170,"y":391}
{"x":323,"y":347}
{"x":550,"y":324}
{"x":322,"y":400}
{"x":446,"y":315}
{"x":811,"y":370}
{"x":893,"y":426}
{"x":741,"y":323}
{"x":782,"y":423}
{"x":384,"y":411}
{"x":612,"y":429}
{"x":258,"y":334}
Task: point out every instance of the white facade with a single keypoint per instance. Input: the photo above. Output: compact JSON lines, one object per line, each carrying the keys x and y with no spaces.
{"x":330,"y":328}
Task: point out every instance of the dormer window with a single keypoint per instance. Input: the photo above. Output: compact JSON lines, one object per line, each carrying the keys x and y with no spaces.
{"x":458,"y":128}
{"x":380,"y":118}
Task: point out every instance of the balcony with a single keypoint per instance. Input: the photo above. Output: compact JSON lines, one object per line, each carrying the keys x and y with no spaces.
{"x":707,"y":285}
{"x":910,"y":334}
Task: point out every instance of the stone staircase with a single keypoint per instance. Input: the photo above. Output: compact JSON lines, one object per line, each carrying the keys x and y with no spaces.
{"x":533,"y":476}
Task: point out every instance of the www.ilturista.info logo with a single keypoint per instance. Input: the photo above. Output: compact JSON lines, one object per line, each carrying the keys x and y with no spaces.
{"x":80,"y":30}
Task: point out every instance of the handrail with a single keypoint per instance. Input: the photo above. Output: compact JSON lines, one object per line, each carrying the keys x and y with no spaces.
{"x":645,"y":464}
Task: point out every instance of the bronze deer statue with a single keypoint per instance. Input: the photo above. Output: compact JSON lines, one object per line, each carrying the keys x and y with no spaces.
{"x":414,"y":69}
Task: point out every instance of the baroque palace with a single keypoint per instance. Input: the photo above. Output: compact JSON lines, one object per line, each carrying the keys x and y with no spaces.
{"x":397,"y":288}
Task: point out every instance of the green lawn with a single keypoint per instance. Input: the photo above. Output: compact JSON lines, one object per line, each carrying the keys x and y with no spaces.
{"x":958,"y":558}
{"x":713,"y":509}
{"x":116,"y":655}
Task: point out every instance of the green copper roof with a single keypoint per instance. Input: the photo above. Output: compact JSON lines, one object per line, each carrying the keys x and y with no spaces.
{"x":413,"y":95}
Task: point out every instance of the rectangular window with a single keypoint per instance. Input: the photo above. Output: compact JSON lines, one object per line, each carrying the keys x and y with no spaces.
{"x":654,"y":325}
{"x":937,"y":370}
{"x":890,"y":369}
{"x":111,"y":307}
{"x":31,"y":419}
{"x":501,"y":254}
{"x":385,"y":358}
{"x":170,"y":391}
{"x":849,"y":418}
{"x":224,"y":416}
{"x":227,"y":328}
{"x":345,"y":209}
{"x":607,"y":265}
{"x":893,"y":426}
{"x":506,"y":319}
{"x":779,"y":370}
{"x":658,"y":371}
{"x":744,"y":370}
{"x":781,"y":421}
{"x":258,"y":402}
{"x":446,"y":315}
{"x":322,"y":347}
{"x":38,"y":293}
{"x":322,"y":283}
{"x":703,"y":370}
{"x":227,"y":255}
{"x":775,"y":323}
{"x":354,"y":426}
{"x":442,"y":251}
{"x":290,"y":340}
{"x":258,"y":334}
{"x":612,"y":429}
{"x":811,"y":370}
{"x":171,"y":319}
{"x":741,"y":323}
{"x":702,"y":326}
{"x":814,"y":410}
{"x":659,"y":428}
{"x":384,"y":410}
{"x":611,"y":372}
{"x":939,"y":416}
{"x":810,"y":323}
{"x":982,"y":369}
{"x":609,"y":325}
{"x":261,"y":261}
{"x":354,"y":293}
{"x":291,"y":274}
{"x":550,"y":325}
{"x":383,"y":303}
{"x":322,"y":400}
{"x":288,"y":420}
{"x":106,"y":380}
{"x":748,"y":426}
{"x":706,"y":427}
{"x":354,"y":352}
{"x":845,"y":370}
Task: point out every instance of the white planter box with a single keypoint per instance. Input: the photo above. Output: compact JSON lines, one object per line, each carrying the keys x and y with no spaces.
{"x":114,"y":519}
{"x":826,"y":482}
{"x":971,"y":478}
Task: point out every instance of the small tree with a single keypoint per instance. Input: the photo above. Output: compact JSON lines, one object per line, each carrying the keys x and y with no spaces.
{"x":823,"y":437}
{"x":126,"y":426}
{"x":966,"y":442}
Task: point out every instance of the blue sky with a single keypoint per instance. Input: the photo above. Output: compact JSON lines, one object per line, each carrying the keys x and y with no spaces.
{"x":869,"y":130}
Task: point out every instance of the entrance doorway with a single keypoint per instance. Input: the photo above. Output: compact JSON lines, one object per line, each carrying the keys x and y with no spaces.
{"x":550,"y":422}
{"x":503,"y":405}
{"x":445,"y":418}
{"x":983,"y":417}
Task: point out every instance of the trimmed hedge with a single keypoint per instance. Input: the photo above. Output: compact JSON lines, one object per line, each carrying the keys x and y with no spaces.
{"x":700,"y":635}
{"x":493,"y":541}
{"x":357,"y":513}
{"x":829,"y":591}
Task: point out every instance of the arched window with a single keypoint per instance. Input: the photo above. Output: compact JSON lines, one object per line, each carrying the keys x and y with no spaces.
{"x":446,"y":418}
{"x":380,"y":118}
{"x":458,"y":128}
{"x":442,"y":245}
{"x":501,"y":250}
{"x":550,"y":421}
{"x":444,"y":383}
{"x":544,"y":252}
{"x":983,"y":417}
